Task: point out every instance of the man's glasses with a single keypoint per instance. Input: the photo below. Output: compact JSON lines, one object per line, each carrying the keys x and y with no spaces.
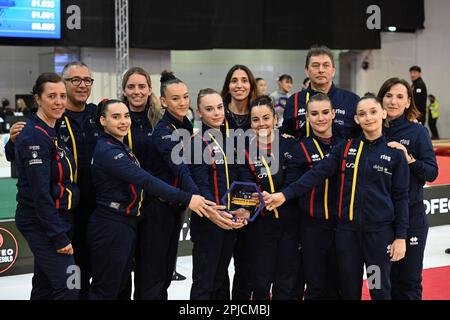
{"x":77,"y":81}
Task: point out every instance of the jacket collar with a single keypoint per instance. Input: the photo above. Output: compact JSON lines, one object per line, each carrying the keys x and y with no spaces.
{"x":329,"y":93}
{"x":39,"y":122}
{"x":398,"y":121}
{"x":186,"y":124}
{"x":109,"y":138}
{"x":379,"y":140}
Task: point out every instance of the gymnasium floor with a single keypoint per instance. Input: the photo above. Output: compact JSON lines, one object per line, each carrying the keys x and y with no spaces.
{"x":19,"y":287}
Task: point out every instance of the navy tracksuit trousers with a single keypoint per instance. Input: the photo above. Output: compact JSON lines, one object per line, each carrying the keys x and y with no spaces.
{"x":354,"y":249}
{"x":159,"y":232}
{"x":112,"y":242}
{"x":406,"y":274}
{"x":50,"y":268}
{"x":211,"y":256}
{"x":241,"y":281}
{"x":319,"y":259}
{"x":273,"y":254}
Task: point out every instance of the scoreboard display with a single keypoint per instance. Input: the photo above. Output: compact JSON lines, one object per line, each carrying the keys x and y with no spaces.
{"x":30,"y":19}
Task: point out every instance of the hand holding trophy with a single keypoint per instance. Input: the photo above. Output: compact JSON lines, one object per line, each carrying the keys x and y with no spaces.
{"x":244,"y":201}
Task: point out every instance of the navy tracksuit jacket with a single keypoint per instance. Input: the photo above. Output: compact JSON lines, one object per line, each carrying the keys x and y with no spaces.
{"x":212,"y":245}
{"x":406,"y":275}
{"x":241,"y":280}
{"x":372,"y":208}
{"x":137,"y":141}
{"x":273,"y":242}
{"x":231,"y":120}
{"x":79,"y":131}
{"x":141,"y":131}
{"x":162,"y":222}
{"x":344,"y":102}
{"x":46,"y":197}
{"x":318,"y":210}
{"x":119,"y":185}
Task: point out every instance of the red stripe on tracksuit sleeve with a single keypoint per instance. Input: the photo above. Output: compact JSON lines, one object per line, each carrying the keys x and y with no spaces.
{"x":133,"y":201}
{"x":311,"y":199}
{"x":252,"y":168}
{"x":213,"y":162}
{"x":344,"y":163}
{"x":61,"y":188}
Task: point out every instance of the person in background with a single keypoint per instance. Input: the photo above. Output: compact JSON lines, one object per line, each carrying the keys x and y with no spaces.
{"x":420,"y":92}
{"x":21,"y":106}
{"x":305,"y":83}
{"x":191,"y":115}
{"x":433,"y":115}
{"x":281,"y":96}
{"x":46,"y":192}
{"x":6,"y":108}
{"x":261,"y":87}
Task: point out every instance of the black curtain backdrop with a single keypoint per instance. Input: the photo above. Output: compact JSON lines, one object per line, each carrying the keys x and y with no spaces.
{"x":235,"y":24}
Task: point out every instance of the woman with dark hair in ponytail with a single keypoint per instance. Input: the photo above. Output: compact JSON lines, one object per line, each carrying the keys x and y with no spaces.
{"x":160,"y":229}
{"x":119,"y":185}
{"x":47,"y":192}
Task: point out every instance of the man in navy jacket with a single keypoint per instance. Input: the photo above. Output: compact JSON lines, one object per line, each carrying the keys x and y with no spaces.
{"x":320,"y":69}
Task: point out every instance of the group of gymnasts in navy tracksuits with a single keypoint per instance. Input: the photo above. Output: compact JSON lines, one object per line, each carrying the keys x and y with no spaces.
{"x":339,"y":202}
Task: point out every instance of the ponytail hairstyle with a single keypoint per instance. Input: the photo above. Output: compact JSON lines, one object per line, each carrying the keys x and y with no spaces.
{"x":153,"y":105}
{"x":102,"y":108}
{"x":167,"y":78}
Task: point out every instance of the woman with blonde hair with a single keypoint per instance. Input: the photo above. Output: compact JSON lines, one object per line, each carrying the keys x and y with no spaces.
{"x":145,"y":108}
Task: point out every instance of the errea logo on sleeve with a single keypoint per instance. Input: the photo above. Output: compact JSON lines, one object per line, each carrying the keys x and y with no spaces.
{"x":120,"y":155}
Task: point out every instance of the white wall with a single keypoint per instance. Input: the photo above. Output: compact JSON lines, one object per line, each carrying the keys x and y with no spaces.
{"x":427,"y":48}
{"x":208,"y":68}
{"x":19,"y":68}
{"x":102,"y":62}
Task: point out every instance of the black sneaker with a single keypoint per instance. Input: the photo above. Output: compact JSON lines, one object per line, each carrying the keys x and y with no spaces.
{"x":178,"y":277}
{"x":447,"y":250}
